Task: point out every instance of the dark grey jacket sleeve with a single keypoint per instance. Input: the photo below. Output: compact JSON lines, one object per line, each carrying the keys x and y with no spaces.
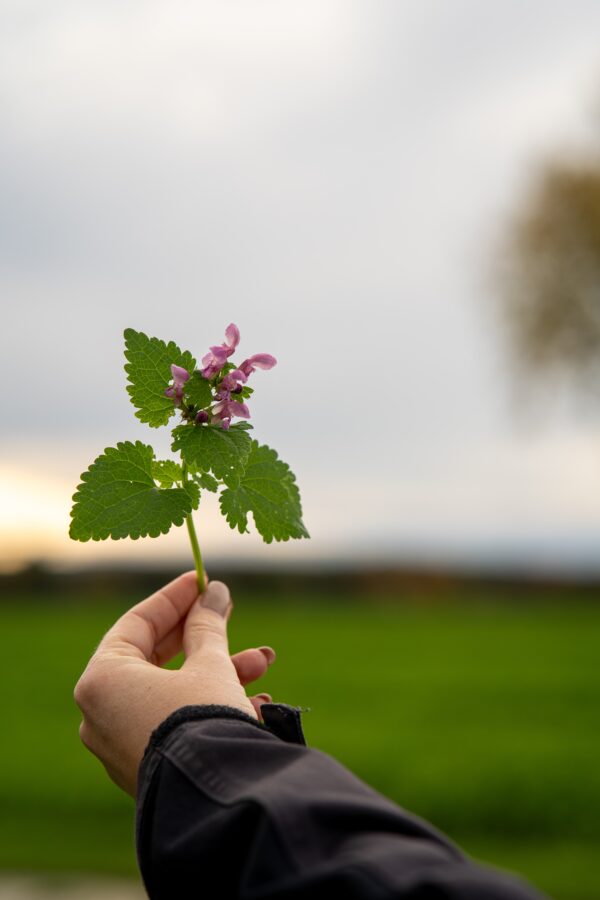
{"x":233,"y":809}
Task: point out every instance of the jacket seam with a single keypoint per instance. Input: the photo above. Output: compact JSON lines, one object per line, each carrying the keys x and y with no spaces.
{"x":224,"y":804}
{"x":198,"y":713}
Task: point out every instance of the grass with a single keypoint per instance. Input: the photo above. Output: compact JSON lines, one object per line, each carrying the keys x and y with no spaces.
{"x":482,"y":717}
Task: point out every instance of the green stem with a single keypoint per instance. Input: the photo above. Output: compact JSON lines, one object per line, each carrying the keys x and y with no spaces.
{"x":195,"y":546}
{"x":196,"y":551}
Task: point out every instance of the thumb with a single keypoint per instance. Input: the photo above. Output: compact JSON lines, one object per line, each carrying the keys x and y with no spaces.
{"x":206,"y":624}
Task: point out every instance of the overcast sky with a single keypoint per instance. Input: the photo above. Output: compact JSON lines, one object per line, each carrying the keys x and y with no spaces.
{"x":331,"y":176}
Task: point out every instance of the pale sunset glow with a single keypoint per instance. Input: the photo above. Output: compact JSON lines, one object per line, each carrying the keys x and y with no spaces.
{"x":473,"y":497}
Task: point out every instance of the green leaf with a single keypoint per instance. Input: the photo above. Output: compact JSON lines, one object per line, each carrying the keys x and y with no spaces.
{"x":212,"y":449}
{"x":119,"y":498}
{"x":193,"y":492}
{"x":268,"y":490}
{"x":167,"y":472}
{"x":198,"y":391}
{"x":206,"y":481}
{"x":149,"y":373}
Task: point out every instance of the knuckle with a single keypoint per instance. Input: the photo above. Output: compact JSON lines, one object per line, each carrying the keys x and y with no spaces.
{"x":208,"y":627}
{"x":81,"y":692}
{"x":87,"y":689}
{"x":85,"y":735}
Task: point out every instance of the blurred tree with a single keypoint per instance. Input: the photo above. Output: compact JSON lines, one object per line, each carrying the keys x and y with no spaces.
{"x":550,"y":296}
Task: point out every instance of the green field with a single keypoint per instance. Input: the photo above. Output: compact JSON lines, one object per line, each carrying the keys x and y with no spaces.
{"x":482,"y":717}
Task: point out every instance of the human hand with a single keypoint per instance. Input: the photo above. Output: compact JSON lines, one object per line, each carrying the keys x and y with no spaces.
{"x":124,"y":694}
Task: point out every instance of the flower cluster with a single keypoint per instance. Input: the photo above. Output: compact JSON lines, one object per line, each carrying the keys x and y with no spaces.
{"x":180,"y":376}
{"x":228,"y":382}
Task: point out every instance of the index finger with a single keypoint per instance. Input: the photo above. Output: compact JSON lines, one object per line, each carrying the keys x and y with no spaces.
{"x":140,"y":629}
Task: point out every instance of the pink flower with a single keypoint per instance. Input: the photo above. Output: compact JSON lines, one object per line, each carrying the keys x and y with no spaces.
{"x":180,"y":376}
{"x":232,"y":338}
{"x":216,"y":358}
{"x":202,"y":417}
{"x":258,"y":361}
{"x":225,"y":410}
{"x":213,"y":362}
{"x":231,"y":384}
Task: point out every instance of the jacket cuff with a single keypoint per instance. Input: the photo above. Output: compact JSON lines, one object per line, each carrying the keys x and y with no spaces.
{"x":280,"y":720}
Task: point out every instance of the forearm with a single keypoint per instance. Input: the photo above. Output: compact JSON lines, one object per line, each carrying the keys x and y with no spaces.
{"x":225,"y":804}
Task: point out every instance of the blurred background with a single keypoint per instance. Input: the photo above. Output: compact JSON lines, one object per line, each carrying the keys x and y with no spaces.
{"x":401,"y":202}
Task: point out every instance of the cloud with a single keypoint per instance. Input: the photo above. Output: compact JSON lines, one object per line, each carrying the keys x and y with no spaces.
{"x":326,"y":174}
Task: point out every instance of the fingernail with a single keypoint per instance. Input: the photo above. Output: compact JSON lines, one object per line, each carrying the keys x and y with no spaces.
{"x":216,"y":597}
{"x":269,"y":653}
{"x":266,"y":698}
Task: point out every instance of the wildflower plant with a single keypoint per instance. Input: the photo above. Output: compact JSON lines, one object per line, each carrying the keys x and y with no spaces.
{"x":127,"y":492}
